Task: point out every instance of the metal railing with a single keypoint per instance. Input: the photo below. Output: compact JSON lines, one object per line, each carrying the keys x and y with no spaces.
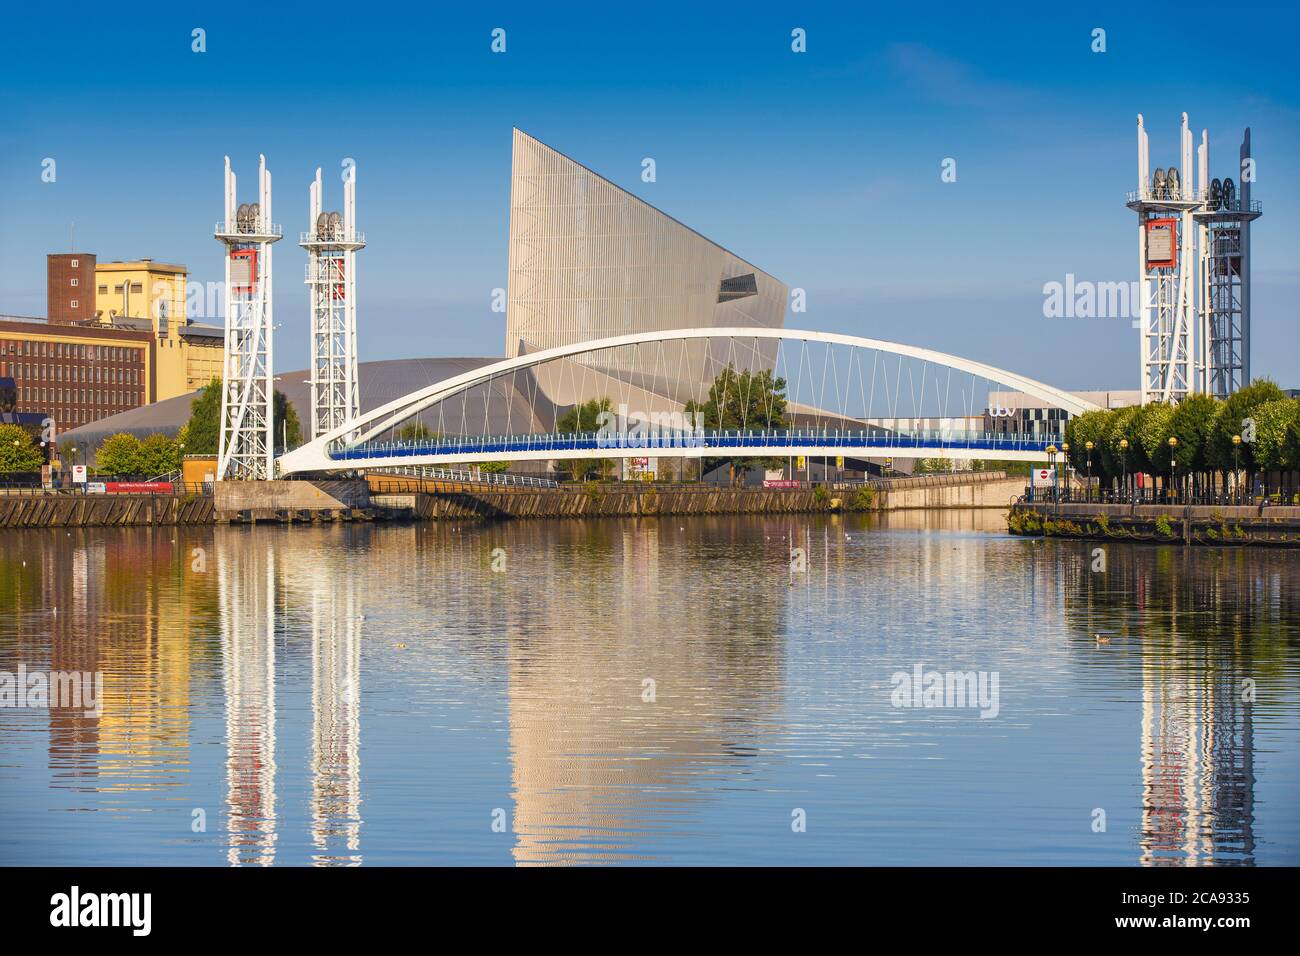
{"x":703,"y":441}
{"x":261,"y":228}
{"x":1180,"y":195}
{"x":338,"y":236}
{"x":474,"y":476}
{"x":173,"y":489}
{"x":1145,"y":496}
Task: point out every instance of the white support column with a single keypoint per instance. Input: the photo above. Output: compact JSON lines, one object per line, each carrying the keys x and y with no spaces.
{"x":1167,"y":293}
{"x":331,"y":243}
{"x":1144,"y":284}
{"x":1245,"y":182}
{"x":246,"y":449}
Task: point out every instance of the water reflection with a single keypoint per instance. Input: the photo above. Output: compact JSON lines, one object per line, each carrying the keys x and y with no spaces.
{"x":246,"y":570}
{"x":74,"y":605}
{"x":262,"y":603}
{"x":336,"y":715}
{"x":612,"y":728}
{"x":646,"y":691}
{"x":1210,"y":626}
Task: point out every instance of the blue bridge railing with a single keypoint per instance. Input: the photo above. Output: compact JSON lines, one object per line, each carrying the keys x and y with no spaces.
{"x":610,"y":444}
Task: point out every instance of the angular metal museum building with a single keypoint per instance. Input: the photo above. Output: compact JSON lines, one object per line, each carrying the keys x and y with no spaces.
{"x":589,"y":260}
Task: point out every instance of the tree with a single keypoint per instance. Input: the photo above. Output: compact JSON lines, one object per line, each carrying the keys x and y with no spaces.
{"x":287,"y":429}
{"x":1192,"y":424}
{"x":743,"y":401}
{"x":159,"y":455}
{"x":119,"y":454}
{"x":203,"y":430}
{"x":204,"y":427}
{"x":1088,"y":427}
{"x":1233,"y":419}
{"x":585,"y":417}
{"x":1120,"y":462}
{"x":416,"y":431}
{"x":1277,"y":423}
{"x":18,"y":451}
{"x":1153,"y":426}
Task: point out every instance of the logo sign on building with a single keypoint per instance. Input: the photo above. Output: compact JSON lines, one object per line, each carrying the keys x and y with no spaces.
{"x":1001,"y":411}
{"x":79,"y":474}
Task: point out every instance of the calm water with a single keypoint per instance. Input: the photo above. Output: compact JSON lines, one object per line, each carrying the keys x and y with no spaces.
{"x":382,"y":695}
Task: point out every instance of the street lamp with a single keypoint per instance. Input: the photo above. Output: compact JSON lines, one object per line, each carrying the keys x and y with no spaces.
{"x":1123,"y":466}
{"x":1236,"y":477}
{"x":1173,"y":463}
{"x":1051,"y":461}
{"x":1088,"y":446}
{"x":1065,"y":462}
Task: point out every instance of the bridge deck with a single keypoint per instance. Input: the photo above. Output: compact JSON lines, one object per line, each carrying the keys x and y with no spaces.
{"x":720,"y":443}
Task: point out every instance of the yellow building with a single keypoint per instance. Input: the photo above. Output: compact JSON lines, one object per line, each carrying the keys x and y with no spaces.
{"x":152,"y":296}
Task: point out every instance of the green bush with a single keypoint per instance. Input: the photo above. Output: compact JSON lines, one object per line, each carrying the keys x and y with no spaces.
{"x":1024,"y":522}
{"x":864,"y":499}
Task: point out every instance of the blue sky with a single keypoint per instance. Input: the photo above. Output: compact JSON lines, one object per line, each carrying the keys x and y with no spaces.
{"x":822,"y":168}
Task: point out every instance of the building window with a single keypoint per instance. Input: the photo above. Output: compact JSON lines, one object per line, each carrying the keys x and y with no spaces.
{"x":74,"y":280}
{"x":74,"y":303}
{"x":103,"y":290}
{"x":75,"y":263}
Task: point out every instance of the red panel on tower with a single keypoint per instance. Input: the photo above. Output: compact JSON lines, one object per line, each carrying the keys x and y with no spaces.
{"x":1162,"y":243}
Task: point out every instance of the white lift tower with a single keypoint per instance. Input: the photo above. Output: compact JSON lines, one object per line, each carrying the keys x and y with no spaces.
{"x":1224,"y":223}
{"x":247,"y":443}
{"x":1194,"y":272}
{"x":332,"y":243}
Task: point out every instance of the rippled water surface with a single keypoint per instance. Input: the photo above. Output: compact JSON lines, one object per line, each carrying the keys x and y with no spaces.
{"x":648,"y":690}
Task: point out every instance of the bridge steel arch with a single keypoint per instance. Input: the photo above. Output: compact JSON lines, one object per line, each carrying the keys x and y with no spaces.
{"x":314,"y":456}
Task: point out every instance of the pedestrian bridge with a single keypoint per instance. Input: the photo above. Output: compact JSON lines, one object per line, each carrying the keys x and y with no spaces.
{"x":694,"y":393}
{"x":706,"y":443}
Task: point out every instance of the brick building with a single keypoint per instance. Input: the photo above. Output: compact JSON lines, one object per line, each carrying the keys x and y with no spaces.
{"x":70,"y":287}
{"x":76,"y":374}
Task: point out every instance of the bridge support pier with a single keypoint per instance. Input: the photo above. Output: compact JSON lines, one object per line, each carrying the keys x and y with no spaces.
{"x":266,"y":500}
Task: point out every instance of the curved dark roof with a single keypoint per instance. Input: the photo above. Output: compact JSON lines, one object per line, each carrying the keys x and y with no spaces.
{"x":380,"y":383}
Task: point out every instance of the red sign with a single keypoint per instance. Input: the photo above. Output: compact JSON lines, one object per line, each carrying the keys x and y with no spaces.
{"x":138,"y":487}
{"x":243,"y":270}
{"x":779,"y":483}
{"x":1162,"y":243}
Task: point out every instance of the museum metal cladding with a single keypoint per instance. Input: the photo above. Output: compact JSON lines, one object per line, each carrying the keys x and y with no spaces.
{"x":589,"y":260}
